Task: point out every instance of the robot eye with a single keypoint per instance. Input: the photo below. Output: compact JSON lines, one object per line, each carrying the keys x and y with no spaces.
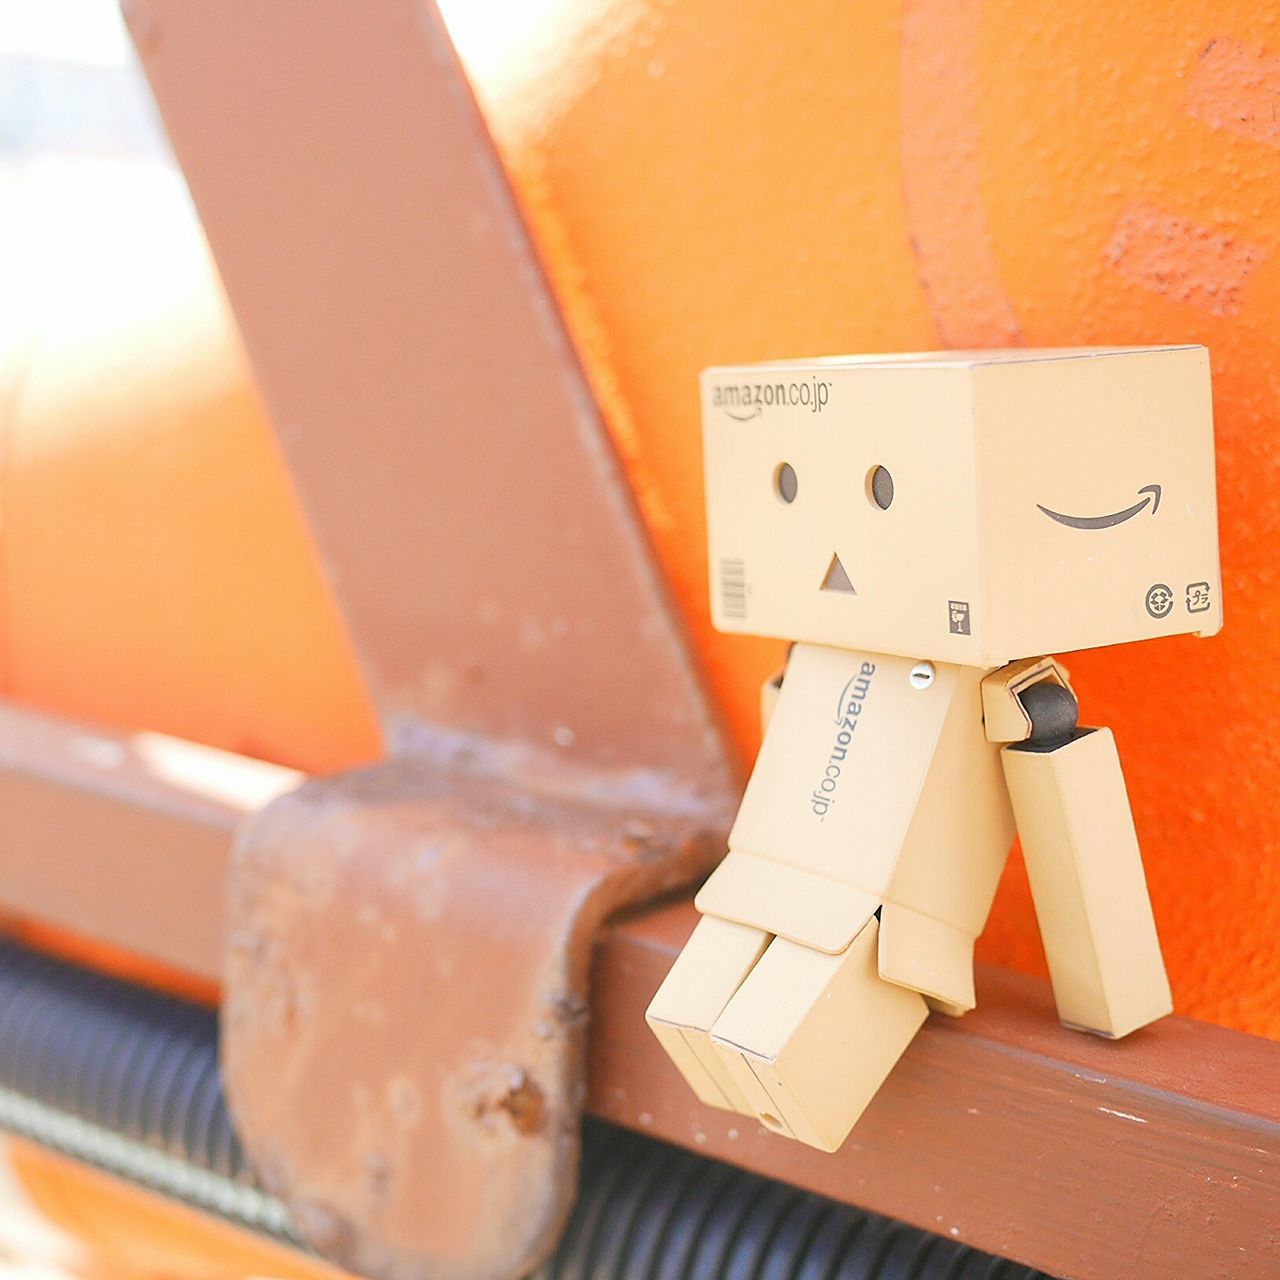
{"x":785,"y":484}
{"x":880,"y":487}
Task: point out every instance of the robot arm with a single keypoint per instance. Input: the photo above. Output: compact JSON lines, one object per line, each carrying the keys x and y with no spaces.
{"x":770,"y":691}
{"x":1081,"y":852}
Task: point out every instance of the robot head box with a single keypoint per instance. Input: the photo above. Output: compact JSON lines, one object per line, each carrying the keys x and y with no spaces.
{"x":969,"y":507}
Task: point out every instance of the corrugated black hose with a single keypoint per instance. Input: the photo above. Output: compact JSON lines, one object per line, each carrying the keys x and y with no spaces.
{"x":127,"y":1079}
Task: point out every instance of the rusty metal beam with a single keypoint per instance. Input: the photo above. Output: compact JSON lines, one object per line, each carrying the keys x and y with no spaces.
{"x":454,"y":470}
{"x":540,"y":704}
{"x":1156,"y":1156}
{"x":123,"y":837}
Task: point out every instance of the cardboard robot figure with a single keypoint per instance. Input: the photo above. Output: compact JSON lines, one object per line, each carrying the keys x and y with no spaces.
{"x":924,"y":528}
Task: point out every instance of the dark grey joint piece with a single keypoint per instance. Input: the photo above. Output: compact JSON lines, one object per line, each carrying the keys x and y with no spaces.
{"x":1054,"y":715}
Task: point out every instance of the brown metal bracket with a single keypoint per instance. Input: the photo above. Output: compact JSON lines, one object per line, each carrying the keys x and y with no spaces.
{"x":406,"y":1006}
{"x":408,"y":945}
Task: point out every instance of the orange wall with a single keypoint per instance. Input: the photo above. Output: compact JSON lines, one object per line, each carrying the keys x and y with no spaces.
{"x":154,"y":568}
{"x":62,"y":1220}
{"x":734,"y":180}
{"x":726,"y":180}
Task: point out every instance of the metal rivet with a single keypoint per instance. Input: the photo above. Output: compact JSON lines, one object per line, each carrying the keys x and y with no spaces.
{"x":921,"y":676}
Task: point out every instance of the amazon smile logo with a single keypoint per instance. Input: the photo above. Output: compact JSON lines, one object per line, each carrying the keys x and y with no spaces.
{"x":1116,"y":517}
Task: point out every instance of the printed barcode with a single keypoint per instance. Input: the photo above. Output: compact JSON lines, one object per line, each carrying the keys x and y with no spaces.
{"x":733,"y":588}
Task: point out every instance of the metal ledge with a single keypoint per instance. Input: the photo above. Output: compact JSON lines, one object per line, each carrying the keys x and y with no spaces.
{"x":1155,"y":1156}
{"x":146,"y":1103}
{"x":1158,"y":1155}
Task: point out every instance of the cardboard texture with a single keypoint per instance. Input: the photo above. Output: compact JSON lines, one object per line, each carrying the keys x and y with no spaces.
{"x":873,"y":792}
{"x":769,"y":699}
{"x":1003,"y":714}
{"x":867,"y":789}
{"x":971,"y":563}
{"x":955,"y":848}
{"x":1081,"y":851}
{"x":892,"y":516}
{"x":715,"y":960}
{"x":837,"y":779}
{"x":819,"y":1033}
{"x":925,"y":955}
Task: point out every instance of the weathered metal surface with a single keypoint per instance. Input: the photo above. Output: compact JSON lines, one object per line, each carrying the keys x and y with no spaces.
{"x":1158,"y":1156}
{"x":443,"y":440}
{"x":406,"y":1004}
{"x":123,"y":838}
{"x":1152,"y":1158}
{"x":406,"y":975}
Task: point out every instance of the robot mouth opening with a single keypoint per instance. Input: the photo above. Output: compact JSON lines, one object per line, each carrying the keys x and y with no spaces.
{"x":837,"y":578}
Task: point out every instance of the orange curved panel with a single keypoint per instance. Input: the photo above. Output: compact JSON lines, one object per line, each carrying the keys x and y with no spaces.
{"x":65,"y":1221}
{"x":712,"y":182}
{"x":154,"y":568}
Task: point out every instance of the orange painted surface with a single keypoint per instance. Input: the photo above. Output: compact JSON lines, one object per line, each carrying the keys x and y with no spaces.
{"x":128,"y":966}
{"x":712,"y":182}
{"x":719,"y":182}
{"x":60,"y":1220}
{"x":1236,"y":87}
{"x":154,"y":569}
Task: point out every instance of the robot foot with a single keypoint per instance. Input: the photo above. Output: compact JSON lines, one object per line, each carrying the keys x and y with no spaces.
{"x":704,"y":978}
{"x":808,"y":1038}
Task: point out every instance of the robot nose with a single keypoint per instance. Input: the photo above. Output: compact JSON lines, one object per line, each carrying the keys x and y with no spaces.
{"x":837,"y":578}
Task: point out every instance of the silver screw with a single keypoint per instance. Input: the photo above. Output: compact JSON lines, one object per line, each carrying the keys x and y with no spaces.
{"x":921,"y":676}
